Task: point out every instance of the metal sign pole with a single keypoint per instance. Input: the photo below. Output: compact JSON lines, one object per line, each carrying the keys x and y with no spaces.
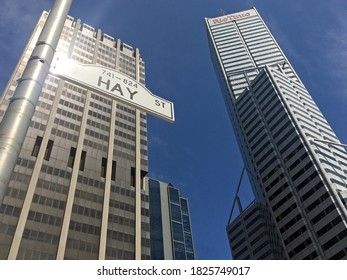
{"x":16,"y":121}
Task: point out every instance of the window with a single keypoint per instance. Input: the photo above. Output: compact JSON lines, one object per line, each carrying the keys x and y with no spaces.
{"x":334,"y":240}
{"x":103,"y":167}
{"x":188,"y":242}
{"x":295,"y":235}
{"x":113,"y":174}
{"x":329,"y":226}
{"x":174,"y":195}
{"x":177,"y":231}
{"x":83,"y":160}
{"x":184,"y":206}
{"x":179,"y":251}
{"x":49,"y":149}
{"x":299,"y":248}
{"x":37,"y":146}
{"x":190,"y":256}
{"x":132,"y":176}
{"x":175,"y":212}
{"x":339,"y":255}
{"x":71,"y":157}
{"x":186,"y":223}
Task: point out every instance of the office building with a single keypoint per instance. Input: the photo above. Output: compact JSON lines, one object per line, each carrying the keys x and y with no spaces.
{"x":252,"y":236}
{"x":73,"y":194}
{"x":296,"y":165}
{"x":170,"y":226}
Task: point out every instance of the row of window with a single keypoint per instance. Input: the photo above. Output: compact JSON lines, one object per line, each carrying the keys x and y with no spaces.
{"x":334,"y":240}
{"x":238,"y":254}
{"x":40,"y":236}
{"x":296,"y":234}
{"x":83,"y":227}
{"x":54,"y":203}
{"x":97,"y":135}
{"x":82,"y":246}
{"x":27,"y":163}
{"x":43,"y":218}
{"x":7,"y":229}
{"x":121,"y":220}
{"x":70,"y":105}
{"x":120,"y":236}
{"x":238,"y":244}
{"x":15,"y":193}
{"x":98,"y":125}
{"x":38,"y":125}
{"x":10,"y":210}
{"x":44,"y":105}
{"x":119,"y":254}
{"x":86,"y":211}
{"x":72,"y":156}
{"x":65,"y":135}
{"x":100,"y":107}
{"x":40,"y":116}
{"x":300,"y":247}
{"x":26,"y":254}
{"x":105,"y":61}
{"x":96,"y":146}
{"x":67,"y":124}
{"x":80,"y":97}
{"x":68,"y":114}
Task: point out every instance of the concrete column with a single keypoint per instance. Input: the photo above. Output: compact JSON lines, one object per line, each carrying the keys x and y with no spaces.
{"x":74,"y":175}
{"x":138,"y":248}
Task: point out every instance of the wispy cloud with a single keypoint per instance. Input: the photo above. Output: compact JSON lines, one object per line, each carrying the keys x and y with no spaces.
{"x":17,"y":12}
{"x":156,"y":141}
{"x":284,"y":39}
{"x":17,"y":21}
{"x":337,"y":40}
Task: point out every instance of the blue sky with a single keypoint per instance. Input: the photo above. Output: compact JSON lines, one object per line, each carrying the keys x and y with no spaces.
{"x":198,"y":153}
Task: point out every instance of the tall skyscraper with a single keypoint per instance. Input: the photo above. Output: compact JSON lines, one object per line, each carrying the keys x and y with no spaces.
{"x":170,"y":226}
{"x":295,"y":163}
{"x":252,"y":235}
{"x":73,"y":194}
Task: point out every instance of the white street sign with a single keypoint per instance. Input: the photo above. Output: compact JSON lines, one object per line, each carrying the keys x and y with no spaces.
{"x":112,"y":84}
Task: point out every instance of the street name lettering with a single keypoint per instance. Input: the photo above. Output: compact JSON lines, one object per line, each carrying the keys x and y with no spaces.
{"x":117,"y":87}
{"x":114,"y":84}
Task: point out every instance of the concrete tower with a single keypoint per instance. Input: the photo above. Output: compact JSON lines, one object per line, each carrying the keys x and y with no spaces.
{"x":294,"y":161}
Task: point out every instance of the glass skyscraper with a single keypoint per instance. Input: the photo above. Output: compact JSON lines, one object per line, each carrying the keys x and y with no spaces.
{"x":294,"y":161}
{"x":170,"y":226}
{"x":74,"y":191}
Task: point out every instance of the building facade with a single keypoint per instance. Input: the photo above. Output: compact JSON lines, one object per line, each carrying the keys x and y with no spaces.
{"x":295,"y":163}
{"x":74,"y":193}
{"x":250,"y":235}
{"x":170,"y":226}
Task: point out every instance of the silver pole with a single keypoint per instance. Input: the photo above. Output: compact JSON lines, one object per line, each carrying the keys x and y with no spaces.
{"x":16,"y":121}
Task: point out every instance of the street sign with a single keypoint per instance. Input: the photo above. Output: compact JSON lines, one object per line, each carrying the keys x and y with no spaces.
{"x":113,"y":84}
